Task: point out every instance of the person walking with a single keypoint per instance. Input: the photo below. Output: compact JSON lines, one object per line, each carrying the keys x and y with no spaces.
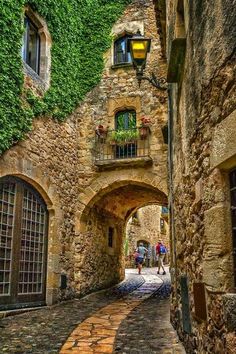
{"x":142,"y":251}
{"x":160,"y":253}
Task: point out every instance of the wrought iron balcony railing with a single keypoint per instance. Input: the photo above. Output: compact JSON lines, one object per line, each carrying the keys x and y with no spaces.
{"x":119,"y":144}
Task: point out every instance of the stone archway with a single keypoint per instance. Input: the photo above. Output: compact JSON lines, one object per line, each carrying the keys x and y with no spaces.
{"x":100,"y":226}
{"x":109,"y":181}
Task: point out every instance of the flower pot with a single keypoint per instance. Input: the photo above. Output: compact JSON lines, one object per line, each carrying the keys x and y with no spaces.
{"x":144,"y":132}
{"x":101,"y":131}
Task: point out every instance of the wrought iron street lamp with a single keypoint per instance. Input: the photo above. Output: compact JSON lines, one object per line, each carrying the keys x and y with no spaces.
{"x":138,"y":46}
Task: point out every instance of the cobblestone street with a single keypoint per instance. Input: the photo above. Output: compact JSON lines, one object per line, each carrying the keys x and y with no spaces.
{"x":132,"y":317}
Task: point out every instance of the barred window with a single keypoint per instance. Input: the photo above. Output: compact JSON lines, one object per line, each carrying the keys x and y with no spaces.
{"x":23,"y":243}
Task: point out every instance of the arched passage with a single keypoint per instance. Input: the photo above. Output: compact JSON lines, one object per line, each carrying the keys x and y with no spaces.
{"x":100,"y":235}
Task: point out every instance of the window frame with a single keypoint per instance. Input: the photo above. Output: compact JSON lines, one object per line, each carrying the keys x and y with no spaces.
{"x":127,"y":57}
{"x":25,"y":48}
{"x":129,"y":149}
{"x":126,"y":113}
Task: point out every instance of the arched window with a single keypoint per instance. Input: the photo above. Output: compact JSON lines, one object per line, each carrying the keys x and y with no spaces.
{"x":23,"y":244}
{"x":121,"y":56}
{"x":31,"y":45}
{"x":125,"y":120}
{"x":126,"y":134}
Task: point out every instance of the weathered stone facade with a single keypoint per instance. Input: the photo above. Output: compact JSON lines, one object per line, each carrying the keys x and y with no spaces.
{"x":85,"y":201}
{"x":148,"y":225}
{"x":201,"y":72}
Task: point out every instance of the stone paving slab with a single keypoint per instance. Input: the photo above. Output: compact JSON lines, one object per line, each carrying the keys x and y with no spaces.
{"x":45,"y":330}
{"x":147,"y":329}
{"x":95,"y":323}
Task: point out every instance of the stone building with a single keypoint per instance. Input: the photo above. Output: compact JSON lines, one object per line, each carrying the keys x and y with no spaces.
{"x":148,"y":225}
{"x":200,"y":51}
{"x":67,"y":190}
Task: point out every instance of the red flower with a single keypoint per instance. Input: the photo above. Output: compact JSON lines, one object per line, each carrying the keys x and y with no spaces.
{"x":145,"y":120}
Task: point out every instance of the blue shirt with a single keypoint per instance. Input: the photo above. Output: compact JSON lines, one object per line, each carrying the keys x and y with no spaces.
{"x":142,"y":251}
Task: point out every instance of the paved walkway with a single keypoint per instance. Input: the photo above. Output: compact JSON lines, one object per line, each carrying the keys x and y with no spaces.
{"x":132,"y":318}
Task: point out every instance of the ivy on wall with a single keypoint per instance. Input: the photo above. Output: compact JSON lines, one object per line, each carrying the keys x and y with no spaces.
{"x":80,"y":31}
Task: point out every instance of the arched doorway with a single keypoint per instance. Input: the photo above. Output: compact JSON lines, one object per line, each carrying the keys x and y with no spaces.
{"x":23,"y":244}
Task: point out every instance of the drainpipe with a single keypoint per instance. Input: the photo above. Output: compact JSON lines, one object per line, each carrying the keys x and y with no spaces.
{"x":171,"y":193}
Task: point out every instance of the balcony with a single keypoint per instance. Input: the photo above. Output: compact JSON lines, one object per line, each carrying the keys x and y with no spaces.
{"x":126,"y":147}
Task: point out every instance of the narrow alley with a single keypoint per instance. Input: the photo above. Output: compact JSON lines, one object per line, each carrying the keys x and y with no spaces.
{"x":118,"y":149}
{"x":132,"y":317}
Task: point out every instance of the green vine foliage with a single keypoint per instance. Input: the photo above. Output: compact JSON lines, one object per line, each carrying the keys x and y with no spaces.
{"x":80,"y":31}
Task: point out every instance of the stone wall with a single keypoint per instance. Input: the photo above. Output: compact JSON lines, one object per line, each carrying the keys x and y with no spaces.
{"x":83,"y":201}
{"x":202,"y":104}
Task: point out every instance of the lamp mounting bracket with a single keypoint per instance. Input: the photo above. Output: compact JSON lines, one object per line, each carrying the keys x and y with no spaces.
{"x":159,"y":83}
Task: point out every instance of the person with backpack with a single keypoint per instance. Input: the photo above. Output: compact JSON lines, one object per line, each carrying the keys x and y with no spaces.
{"x":160,"y":253}
{"x":141,"y":252}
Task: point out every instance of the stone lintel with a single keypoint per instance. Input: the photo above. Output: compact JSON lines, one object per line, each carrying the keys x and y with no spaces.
{"x":112,"y":164}
{"x":223,"y":152}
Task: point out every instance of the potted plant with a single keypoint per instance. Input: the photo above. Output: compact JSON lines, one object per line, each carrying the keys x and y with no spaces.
{"x":122,"y":137}
{"x":101,"y":131}
{"x":144,"y":129}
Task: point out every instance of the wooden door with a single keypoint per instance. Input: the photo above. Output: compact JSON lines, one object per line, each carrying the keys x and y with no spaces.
{"x":23,"y":244}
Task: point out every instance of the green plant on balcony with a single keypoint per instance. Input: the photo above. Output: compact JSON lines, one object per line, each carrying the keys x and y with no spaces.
{"x":122,"y":137}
